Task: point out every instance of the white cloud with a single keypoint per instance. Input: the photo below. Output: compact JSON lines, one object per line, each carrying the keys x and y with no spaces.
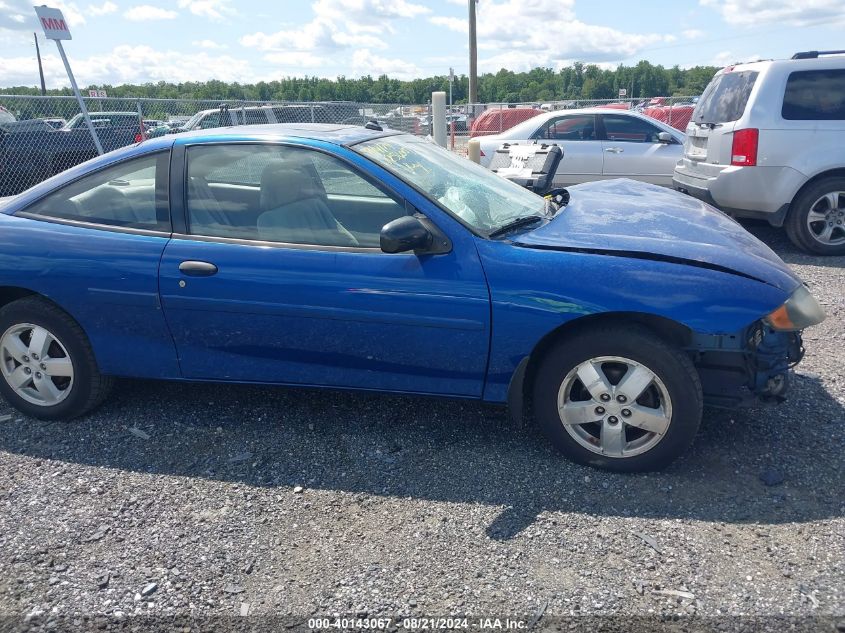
{"x":212,"y":9}
{"x":146,"y":12}
{"x":693,"y":34}
{"x":292,"y":62}
{"x":726,"y":58}
{"x":17,"y":16}
{"x":365,"y":62}
{"x":339,"y":25}
{"x":507,"y":30}
{"x":129,"y":64}
{"x":803,"y":13}
{"x":453,"y":24}
{"x":363,"y":11}
{"x":209,"y":44}
{"x":20,"y":14}
{"x":319,"y":34}
{"x":104,"y":9}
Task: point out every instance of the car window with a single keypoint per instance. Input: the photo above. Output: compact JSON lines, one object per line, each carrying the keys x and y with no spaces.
{"x":253,"y":117}
{"x":569,"y":128}
{"x":212,"y":119}
{"x":629,"y":129}
{"x":284,"y":194}
{"x":725,"y":98}
{"x":131,"y":194}
{"x":815,"y":95}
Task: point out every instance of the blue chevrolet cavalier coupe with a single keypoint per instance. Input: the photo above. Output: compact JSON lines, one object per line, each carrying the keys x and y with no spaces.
{"x":352,"y":258}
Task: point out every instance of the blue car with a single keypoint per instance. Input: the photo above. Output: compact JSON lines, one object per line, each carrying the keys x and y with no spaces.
{"x":353,"y":258}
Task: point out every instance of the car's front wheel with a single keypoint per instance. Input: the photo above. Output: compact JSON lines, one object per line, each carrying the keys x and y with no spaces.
{"x":47,"y":366}
{"x":621,"y":399}
{"x":816,"y":221}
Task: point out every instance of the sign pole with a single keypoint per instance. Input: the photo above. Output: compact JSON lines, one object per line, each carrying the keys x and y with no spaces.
{"x":79,"y":98}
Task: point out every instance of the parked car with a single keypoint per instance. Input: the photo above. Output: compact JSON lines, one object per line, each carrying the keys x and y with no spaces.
{"x":766,"y":141}
{"x":600,"y":144}
{"x":346,"y":113}
{"x":350,"y":258}
{"x":55,"y":123}
{"x":104,"y":120}
{"x":678,"y":116}
{"x":497,"y":120}
{"x":6,"y":116}
{"x":33,"y":150}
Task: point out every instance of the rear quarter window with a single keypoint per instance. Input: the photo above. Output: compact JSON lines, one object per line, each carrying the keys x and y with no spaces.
{"x":815,"y":95}
{"x":725,"y":98}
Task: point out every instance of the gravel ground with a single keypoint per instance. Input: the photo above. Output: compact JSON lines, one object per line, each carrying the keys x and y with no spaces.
{"x":199,"y":500}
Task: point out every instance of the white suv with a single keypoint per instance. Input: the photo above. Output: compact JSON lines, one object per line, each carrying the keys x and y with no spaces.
{"x":767,"y":140}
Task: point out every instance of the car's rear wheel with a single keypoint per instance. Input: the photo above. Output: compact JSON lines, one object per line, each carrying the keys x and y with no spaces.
{"x":619,"y":399}
{"x":47,"y":366}
{"x":816,"y":222}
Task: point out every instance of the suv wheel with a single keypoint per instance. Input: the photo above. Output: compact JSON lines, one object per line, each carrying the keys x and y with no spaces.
{"x":816,"y":222}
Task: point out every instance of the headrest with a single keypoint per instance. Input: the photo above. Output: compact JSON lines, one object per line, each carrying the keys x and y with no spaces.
{"x":300,"y":182}
{"x":281,"y":185}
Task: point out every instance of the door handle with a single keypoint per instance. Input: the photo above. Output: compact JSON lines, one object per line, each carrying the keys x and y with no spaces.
{"x":197,"y":269}
{"x":614,"y":150}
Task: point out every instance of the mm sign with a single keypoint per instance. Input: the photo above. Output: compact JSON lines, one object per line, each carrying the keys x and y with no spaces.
{"x":53,"y":22}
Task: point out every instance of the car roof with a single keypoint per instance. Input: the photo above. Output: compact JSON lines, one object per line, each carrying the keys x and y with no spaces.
{"x":331,"y":133}
{"x":545,"y":116}
{"x":811,"y":63}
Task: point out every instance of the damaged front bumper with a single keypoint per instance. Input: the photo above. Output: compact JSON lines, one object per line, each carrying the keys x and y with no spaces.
{"x":754,"y":365}
{"x":771,"y":355}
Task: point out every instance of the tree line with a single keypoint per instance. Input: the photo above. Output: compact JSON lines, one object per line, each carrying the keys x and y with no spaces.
{"x":579,"y":81}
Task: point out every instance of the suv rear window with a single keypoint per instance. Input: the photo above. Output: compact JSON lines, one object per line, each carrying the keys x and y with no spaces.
{"x":725,"y":97}
{"x":815,"y":95}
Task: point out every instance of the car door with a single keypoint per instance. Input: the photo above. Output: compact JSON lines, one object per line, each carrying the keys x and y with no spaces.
{"x":582,"y":151}
{"x":277,"y":289}
{"x":93,"y":246}
{"x":633,"y":150}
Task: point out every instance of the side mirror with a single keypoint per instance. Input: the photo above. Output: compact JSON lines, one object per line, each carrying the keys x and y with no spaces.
{"x":404,"y":234}
{"x":665,"y":137}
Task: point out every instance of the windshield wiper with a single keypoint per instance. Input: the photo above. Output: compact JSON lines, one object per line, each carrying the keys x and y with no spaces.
{"x":515,"y":224}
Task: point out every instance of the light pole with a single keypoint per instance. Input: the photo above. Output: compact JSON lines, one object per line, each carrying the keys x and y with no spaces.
{"x":40,"y":68}
{"x":473,"y":55}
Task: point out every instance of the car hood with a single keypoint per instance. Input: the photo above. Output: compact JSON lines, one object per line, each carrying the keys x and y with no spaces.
{"x":639,"y":220}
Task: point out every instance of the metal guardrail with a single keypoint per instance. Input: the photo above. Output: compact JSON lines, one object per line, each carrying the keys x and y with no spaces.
{"x":42,"y":136}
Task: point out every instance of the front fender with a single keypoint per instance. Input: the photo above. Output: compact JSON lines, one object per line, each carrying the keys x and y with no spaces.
{"x":535,"y":292}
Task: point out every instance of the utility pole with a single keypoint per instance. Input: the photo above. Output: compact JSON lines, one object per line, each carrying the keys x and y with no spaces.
{"x":473,"y":55}
{"x":40,"y":68}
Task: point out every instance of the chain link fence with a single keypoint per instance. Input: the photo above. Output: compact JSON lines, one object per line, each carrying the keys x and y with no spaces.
{"x":42,"y":136}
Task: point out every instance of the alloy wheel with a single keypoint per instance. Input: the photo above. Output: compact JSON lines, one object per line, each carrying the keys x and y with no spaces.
{"x":36,"y":364}
{"x":826,"y":219}
{"x":614,"y":406}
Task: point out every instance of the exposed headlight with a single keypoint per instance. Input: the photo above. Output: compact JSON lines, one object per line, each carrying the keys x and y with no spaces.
{"x":801,"y":310}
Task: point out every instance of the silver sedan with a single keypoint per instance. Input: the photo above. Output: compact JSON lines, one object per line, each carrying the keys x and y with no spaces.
{"x":599,"y":143}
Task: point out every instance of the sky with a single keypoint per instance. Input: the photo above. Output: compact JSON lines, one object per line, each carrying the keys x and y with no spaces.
{"x":137,"y":41}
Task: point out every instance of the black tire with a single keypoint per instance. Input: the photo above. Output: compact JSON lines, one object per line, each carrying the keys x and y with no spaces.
{"x":89,"y":387}
{"x":637,"y":343}
{"x":796,"y":222}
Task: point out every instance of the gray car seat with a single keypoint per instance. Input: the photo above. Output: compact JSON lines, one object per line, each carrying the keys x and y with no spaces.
{"x":295,"y":211}
{"x":204,"y":211}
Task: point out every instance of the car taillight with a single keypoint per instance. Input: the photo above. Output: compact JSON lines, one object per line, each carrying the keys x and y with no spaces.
{"x":744,"y":148}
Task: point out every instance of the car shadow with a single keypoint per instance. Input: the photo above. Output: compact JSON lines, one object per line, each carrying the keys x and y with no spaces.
{"x":777,"y":240}
{"x":452,"y":451}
